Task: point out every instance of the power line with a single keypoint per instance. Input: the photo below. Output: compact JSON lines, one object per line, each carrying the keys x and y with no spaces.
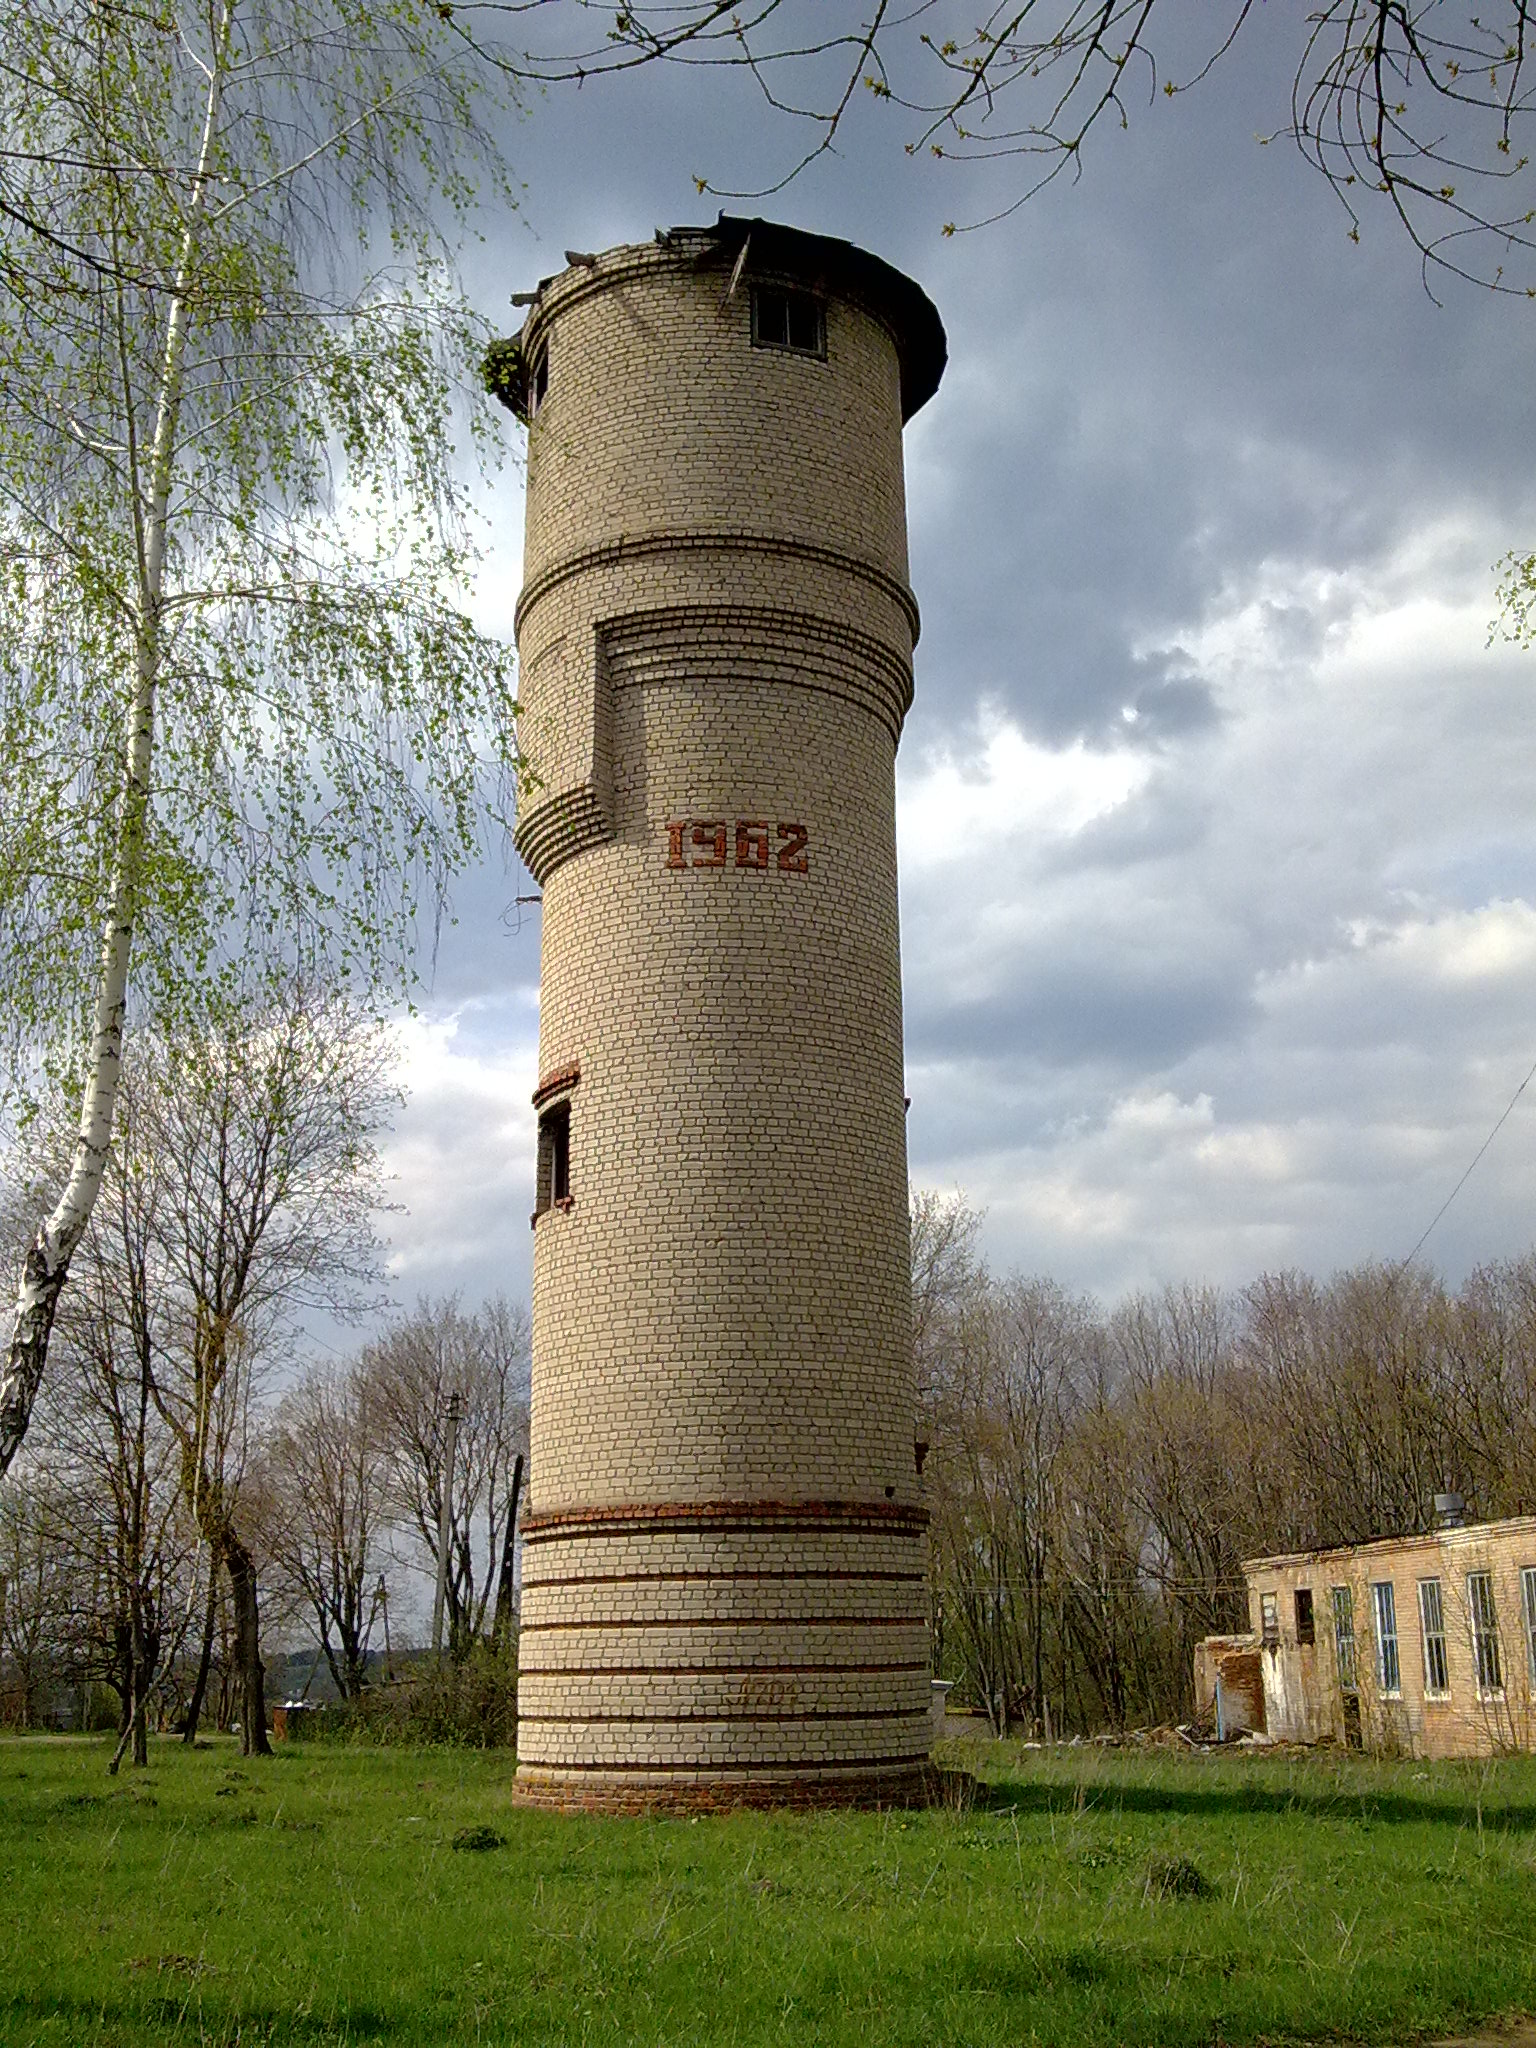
{"x":1455,"y":1191}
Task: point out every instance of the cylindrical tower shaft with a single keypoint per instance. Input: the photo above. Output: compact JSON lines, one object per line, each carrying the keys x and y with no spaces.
{"x":723,"y":1584}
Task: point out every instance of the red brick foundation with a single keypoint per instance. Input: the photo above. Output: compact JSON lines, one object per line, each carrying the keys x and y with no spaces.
{"x":653,"y":1794}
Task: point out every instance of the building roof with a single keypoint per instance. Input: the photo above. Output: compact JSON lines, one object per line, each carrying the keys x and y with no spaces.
{"x":755,"y":248}
{"x":1457,"y":1534}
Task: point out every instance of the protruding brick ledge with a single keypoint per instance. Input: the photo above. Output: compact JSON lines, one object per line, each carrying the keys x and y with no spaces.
{"x":714,"y":1515}
{"x":560,"y":1082}
{"x":604,"y":1790}
{"x":632,"y":547}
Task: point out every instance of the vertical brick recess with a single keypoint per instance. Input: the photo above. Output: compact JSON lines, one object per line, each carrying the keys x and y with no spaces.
{"x":723,"y":1591}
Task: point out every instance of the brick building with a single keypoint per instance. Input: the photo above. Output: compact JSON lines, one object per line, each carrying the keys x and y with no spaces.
{"x":1415,"y":1645}
{"x":723,"y":1586}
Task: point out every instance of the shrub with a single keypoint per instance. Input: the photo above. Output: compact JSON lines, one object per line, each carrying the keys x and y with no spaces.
{"x":471,"y":1705}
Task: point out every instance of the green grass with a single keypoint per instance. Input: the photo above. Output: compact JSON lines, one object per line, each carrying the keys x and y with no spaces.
{"x":319,"y":1898}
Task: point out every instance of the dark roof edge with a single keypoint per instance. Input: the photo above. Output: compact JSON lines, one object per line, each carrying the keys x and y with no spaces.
{"x":825,"y":262}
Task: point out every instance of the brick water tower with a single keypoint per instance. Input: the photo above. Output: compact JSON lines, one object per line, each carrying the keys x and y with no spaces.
{"x":723,"y":1569}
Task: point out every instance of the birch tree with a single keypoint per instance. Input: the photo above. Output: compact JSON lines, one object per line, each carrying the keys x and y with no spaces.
{"x":237,"y":695}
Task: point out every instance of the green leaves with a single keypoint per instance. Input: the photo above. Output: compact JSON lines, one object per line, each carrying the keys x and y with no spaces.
{"x":332,"y":738}
{"x":1517,"y":600}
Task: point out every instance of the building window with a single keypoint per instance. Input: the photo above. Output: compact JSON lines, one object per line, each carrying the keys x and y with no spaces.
{"x":1389,"y":1677}
{"x":792,"y":320}
{"x":1437,"y":1670}
{"x":1269,"y":1618}
{"x":1344,"y":1635}
{"x":1485,"y":1633}
{"x":1306,"y":1621}
{"x":1528,"y":1607}
{"x":538,"y":379}
{"x":554,"y":1167}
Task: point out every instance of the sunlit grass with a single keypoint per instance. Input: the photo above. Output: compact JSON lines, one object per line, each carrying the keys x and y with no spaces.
{"x":319,"y":1898}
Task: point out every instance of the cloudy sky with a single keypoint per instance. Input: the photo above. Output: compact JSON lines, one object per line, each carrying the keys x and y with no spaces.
{"x":1217,"y":809}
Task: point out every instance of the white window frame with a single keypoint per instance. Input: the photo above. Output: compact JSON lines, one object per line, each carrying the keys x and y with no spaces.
{"x":1528,"y":1608}
{"x":1389,"y":1662}
{"x":1483,"y":1621}
{"x":1432,"y":1640}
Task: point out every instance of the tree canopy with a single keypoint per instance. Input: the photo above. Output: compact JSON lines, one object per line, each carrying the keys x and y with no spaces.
{"x":243,"y":713}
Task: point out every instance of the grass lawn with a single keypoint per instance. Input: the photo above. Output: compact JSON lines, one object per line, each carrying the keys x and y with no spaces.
{"x":320,"y":1898}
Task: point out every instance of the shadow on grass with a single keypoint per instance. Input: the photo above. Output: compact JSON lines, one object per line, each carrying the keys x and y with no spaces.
{"x":1023,"y":1796}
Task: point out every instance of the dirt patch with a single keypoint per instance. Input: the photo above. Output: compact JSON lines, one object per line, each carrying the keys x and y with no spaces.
{"x":1514,"y":2033}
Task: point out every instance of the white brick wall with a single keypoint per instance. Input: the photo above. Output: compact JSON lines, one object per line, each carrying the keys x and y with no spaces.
{"x":724,"y":1556}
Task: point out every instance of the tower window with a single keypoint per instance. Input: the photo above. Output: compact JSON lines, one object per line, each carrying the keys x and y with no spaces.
{"x":538,"y":379}
{"x":791,"y":320}
{"x":554,"y":1167}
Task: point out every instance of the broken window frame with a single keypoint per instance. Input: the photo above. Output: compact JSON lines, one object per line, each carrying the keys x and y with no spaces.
{"x":538,"y":378}
{"x":798,"y":307}
{"x":1437,"y":1668}
{"x":1306,"y":1616}
{"x":1528,"y":1609}
{"x":1269,"y":1620}
{"x":1483,"y":1620}
{"x":1389,"y":1663}
{"x":552,"y":1185}
{"x":1342,"y":1599}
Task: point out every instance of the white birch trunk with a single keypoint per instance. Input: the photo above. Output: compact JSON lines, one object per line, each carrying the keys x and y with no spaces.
{"x":47,"y":1261}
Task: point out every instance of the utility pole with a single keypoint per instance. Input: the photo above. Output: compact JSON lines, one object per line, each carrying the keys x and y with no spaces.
{"x":381,"y":1597}
{"x":445,"y":1528}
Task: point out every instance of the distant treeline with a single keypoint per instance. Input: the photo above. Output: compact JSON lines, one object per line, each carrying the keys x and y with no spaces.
{"x":112,"y":1599}
{"x":1096,"y":1478}
{"x":190,"y":1487}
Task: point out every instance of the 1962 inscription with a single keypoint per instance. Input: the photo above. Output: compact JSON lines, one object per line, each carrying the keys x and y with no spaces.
{"x":707,"y":843}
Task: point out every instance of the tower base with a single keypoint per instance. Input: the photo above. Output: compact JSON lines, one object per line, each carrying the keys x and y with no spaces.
{"x":678,"y":1792}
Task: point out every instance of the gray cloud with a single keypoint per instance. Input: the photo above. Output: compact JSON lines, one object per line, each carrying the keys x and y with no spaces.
{"x":1199,"y":456}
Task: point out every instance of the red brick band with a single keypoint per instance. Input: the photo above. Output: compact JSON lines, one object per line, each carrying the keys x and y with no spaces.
{"x":556,"y":1083}
{"x":726,"y":1621}
{"x":751,"y":1717}
{"x":822,"y":1670}
{"x":634,"y":1790}
{"x":714,"y":1516}
{"x":832,"y":1574}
